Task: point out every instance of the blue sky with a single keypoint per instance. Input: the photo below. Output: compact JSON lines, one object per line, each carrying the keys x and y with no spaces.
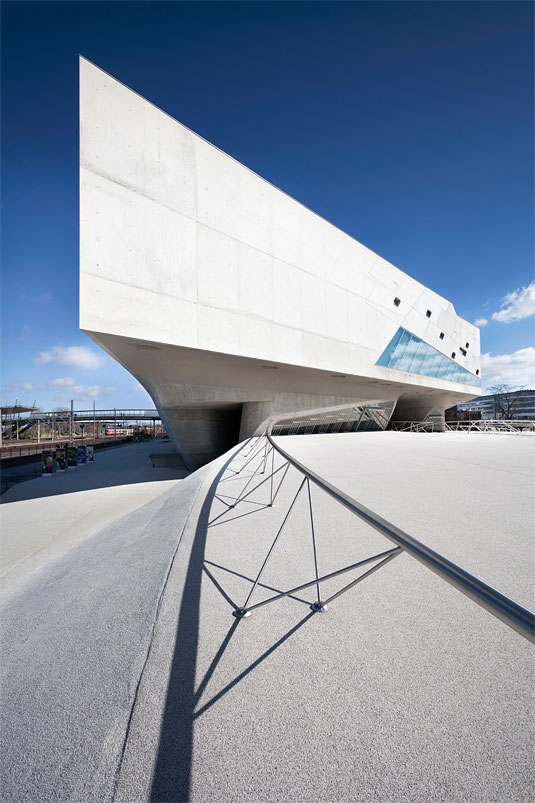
{"x":408,"y":125}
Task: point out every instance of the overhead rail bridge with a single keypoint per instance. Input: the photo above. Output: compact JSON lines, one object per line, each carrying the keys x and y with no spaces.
{"x":19,"y":420}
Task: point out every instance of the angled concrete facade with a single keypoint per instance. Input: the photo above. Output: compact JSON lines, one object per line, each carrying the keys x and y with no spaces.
{"x":231,"y":302}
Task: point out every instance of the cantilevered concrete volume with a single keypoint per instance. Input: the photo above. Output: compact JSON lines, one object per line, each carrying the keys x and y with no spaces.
{"x":231,"y":302}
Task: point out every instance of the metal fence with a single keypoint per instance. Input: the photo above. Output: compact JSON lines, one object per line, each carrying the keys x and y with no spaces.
{"x":264,"y":449}
{"x":31,"y":471}
{"x":352,"y":419}
{"x":416,"y":426}
{"x":491,"y":425}
{"x":25,"y":473}
{"x":7,"y":452}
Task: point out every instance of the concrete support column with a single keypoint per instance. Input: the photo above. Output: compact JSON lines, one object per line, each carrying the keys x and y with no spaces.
{"x":201,"y":434}
{"x":254,"y":418}
{"x":410,"y":411}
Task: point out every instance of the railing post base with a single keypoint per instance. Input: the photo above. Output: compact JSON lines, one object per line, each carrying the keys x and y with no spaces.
{"x":319,"y":607}
{"x":241,"y":613}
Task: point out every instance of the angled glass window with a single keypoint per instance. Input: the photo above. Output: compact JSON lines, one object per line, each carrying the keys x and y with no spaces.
{"x":406,"y":352}
{"x":387,"y":353}
{"x":419,"y":355}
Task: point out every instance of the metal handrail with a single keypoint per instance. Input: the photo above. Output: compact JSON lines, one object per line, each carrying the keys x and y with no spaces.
{"x":507,"y":610}
{"x":516,"y":426}
{"x":415,"y":426}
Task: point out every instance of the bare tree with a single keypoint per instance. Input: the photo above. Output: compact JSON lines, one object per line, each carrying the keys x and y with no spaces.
{"x":507,"y":401}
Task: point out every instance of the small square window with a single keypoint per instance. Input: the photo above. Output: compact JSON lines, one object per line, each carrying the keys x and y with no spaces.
{"x":463,"y":351}
{"x":477,"y":372}
{"x":428,"y":313}
{"x":452,"y":355}
{"x":397,"y":302}
{"x":441,"y":335}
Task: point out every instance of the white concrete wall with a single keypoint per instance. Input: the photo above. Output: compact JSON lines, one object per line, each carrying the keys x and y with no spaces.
{"x":181,"y":244}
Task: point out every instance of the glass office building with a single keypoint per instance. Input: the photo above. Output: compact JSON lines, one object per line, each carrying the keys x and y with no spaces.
{"x":518,"y":405}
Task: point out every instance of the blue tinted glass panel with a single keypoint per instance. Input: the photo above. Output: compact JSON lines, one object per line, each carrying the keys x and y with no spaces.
{"x":434,"y":364}
{"x":384,"y":359}
{"x":405,"y":337}
{"x":450,"y":373}
{"x":404,"y":359}
{"x":425,"y":365}
{"x":419,"y":354}
{"x":406,"y":352}
{"x":443,"y":368}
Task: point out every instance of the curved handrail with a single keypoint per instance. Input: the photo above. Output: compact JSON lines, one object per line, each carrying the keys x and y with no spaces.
{"x":507,"y":610}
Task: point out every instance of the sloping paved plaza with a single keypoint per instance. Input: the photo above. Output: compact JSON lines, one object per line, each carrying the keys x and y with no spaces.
{"x":45,"y":517}
{"x":127,"y":678}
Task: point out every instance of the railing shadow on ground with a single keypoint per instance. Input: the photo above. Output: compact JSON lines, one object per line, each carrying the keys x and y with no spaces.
{"x":171,"y":778}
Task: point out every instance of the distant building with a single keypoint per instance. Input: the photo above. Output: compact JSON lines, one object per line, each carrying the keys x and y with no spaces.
{"x":516,"y":405}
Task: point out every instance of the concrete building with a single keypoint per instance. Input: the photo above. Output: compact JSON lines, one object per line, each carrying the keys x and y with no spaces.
{"x":232,"y":303}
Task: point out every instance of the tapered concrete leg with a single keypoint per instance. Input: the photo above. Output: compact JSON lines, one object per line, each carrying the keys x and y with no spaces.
{"x":201,"y":433}
{"x":409,"y":411}
{"x":254,"y":418}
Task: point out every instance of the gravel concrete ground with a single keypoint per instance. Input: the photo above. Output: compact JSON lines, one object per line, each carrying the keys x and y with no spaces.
{"x":75,"y":637}
{"x":37,"y":527}
{"x":127,"y":677}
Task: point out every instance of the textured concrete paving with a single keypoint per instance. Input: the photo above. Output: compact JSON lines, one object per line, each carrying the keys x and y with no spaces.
{"x":469,"y":496}
{"x":404,"y":690}
{"x":129,"y":679}
{"x":74,"y":640}
{"x":38,"y":527}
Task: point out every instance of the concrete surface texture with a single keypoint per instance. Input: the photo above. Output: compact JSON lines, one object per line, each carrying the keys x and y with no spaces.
{"x":127,"y":677}
{"x":45,"y":517}
{"x":217,"y":290}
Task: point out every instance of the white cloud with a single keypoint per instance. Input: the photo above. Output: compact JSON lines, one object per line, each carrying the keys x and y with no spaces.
{"x":517,"y":305}
{"x":17,"y":387}
{"x":63,"y":381}
{"x":79,"y":356}
{"x":516,"y":369}
{"x":480,"y":322}
{"x":80,"y":392}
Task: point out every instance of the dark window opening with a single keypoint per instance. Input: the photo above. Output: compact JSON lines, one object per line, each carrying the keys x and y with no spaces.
{"x":397,"y":302}
{"x":428,"y":313}
{"x":468,"y":345}
{"x":477,"y":372}
{"x":441,"y":335}
{"x":452,"y":355}
{"x":463,"y":351}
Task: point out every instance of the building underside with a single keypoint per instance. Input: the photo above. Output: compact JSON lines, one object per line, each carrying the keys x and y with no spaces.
{"x":210,"y":401}
{"x":233,"y":304}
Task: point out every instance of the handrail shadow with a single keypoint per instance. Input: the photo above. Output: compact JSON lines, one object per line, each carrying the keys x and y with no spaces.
{"x":171,"y":779}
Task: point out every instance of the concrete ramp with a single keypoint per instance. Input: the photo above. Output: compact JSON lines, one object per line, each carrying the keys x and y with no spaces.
{"x":74,"y":642}
{"x":128,"y":679}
